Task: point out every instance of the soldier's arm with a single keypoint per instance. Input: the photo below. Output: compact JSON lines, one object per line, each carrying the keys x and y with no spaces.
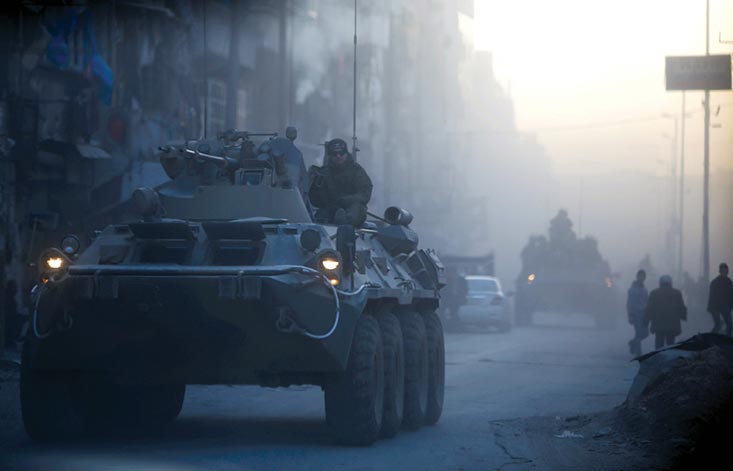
{"x":318,"y":191}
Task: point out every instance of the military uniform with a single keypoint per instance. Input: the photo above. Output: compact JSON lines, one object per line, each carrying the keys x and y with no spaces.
{"x":340,"y":192}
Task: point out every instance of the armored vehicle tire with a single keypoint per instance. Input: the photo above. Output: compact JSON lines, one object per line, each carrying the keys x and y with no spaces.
{"x":416,"y":369}
{"x":47,"y":404}
{"x":436,"y":367}
{"x":394,"y":374}
{"x":130,"y":406}
{"x":355,"y":398}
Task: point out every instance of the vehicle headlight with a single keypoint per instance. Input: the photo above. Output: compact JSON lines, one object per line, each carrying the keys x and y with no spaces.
{"x":54,"y":263}
{"x":531,"y":278}
{"x":70,"y":244}
{"x":329,"y":263}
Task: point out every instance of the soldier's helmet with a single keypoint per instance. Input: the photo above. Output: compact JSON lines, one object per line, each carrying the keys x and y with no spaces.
{"x":336,"y":146}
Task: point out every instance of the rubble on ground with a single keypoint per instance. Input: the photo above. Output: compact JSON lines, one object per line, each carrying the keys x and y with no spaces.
{"x":678,"y":394}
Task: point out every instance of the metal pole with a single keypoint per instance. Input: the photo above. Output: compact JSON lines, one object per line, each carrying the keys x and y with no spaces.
{"x":674,"y":225}
{"x":206,"y":79}
{"x":681,"y":228}
{"x":706,"y":165}
{"x":354,"y":150}
{"x":282,"y":95}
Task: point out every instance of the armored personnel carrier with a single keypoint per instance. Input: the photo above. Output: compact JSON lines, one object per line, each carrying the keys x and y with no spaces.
{"x":226,"y":279}
{"x":565,"y":274}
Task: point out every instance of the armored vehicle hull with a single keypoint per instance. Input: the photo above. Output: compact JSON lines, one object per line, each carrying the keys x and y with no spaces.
{"x":595,"y":297}
{"x":564,"y":273}
{"x":235,"y":296}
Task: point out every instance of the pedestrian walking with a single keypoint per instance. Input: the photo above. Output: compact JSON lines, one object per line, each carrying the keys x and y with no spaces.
{"x":636,"y":301}
{"x":665,"y":310}
{"x":720,"y":300}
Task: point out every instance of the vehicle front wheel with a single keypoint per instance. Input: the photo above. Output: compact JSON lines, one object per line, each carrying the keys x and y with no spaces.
{"x":355,"y":398}
{"x":47,"y":403}
{"x":109,"y":405}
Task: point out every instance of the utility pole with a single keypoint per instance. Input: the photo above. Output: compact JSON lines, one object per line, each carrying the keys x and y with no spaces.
{"x":673,"y":231}
{"x":706,"y":165}
{"x":681,"y":227}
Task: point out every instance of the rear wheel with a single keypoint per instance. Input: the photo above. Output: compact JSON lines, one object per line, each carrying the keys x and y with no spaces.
{"x":436,"y":367}
{"x":355,"y":398}
{"x":394,"y":374}
{"x":416,"y":369}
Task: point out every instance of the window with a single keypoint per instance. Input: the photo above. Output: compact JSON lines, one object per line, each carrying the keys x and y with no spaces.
{"x":482,"y":285}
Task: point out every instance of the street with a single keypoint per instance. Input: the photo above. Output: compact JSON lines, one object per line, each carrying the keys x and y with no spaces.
{"x":506,"y":397}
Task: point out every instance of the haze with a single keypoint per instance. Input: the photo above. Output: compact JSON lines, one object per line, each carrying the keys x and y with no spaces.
{"x":588,"y":79}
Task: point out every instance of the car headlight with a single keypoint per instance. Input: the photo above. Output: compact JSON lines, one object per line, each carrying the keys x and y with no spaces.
{"x":329,"y":263}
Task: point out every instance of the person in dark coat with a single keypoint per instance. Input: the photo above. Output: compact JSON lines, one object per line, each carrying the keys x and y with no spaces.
{"x":636,"y":301}
{"x":341,"y":188}
{"x":665,"y":310}
{"x":720,"y":300}
{"x":456,"y":293}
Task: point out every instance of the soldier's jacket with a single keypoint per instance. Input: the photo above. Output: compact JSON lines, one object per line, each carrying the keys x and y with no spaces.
{"x":333,"y":187}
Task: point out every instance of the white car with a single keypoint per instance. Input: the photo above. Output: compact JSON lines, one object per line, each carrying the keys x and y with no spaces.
{"x":486,"y":304}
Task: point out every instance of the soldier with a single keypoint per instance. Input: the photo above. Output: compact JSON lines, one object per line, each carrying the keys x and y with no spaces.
{"x":665,"y":310}
{"x":635,"y":308}
{"x":720,"y":300}
{"x":341,"y":188}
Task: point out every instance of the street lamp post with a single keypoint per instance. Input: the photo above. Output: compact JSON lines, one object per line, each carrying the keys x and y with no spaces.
{"x":681,"y":219}
{"x":674,"y":227}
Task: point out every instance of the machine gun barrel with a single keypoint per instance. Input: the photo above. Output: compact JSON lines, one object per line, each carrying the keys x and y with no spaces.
{"x":226,"y":162}
{"x":222,"y":161}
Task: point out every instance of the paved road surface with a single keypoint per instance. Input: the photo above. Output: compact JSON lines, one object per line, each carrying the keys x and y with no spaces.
{"x":561,"y":367}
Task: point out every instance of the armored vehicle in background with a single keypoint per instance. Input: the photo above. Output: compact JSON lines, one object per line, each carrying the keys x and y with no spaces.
{"x":565,"y":274}
{"x":226,"y":279}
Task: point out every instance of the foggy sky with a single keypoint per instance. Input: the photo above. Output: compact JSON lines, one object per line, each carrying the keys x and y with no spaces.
{"x":588,"y":79}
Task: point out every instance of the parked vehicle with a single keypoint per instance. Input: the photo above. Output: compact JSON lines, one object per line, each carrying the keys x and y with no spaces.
{"x":486,"y":304}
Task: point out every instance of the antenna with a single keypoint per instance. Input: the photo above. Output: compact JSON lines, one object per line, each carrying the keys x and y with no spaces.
{"x":206,"y":80}
{"x":354,"y":150}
